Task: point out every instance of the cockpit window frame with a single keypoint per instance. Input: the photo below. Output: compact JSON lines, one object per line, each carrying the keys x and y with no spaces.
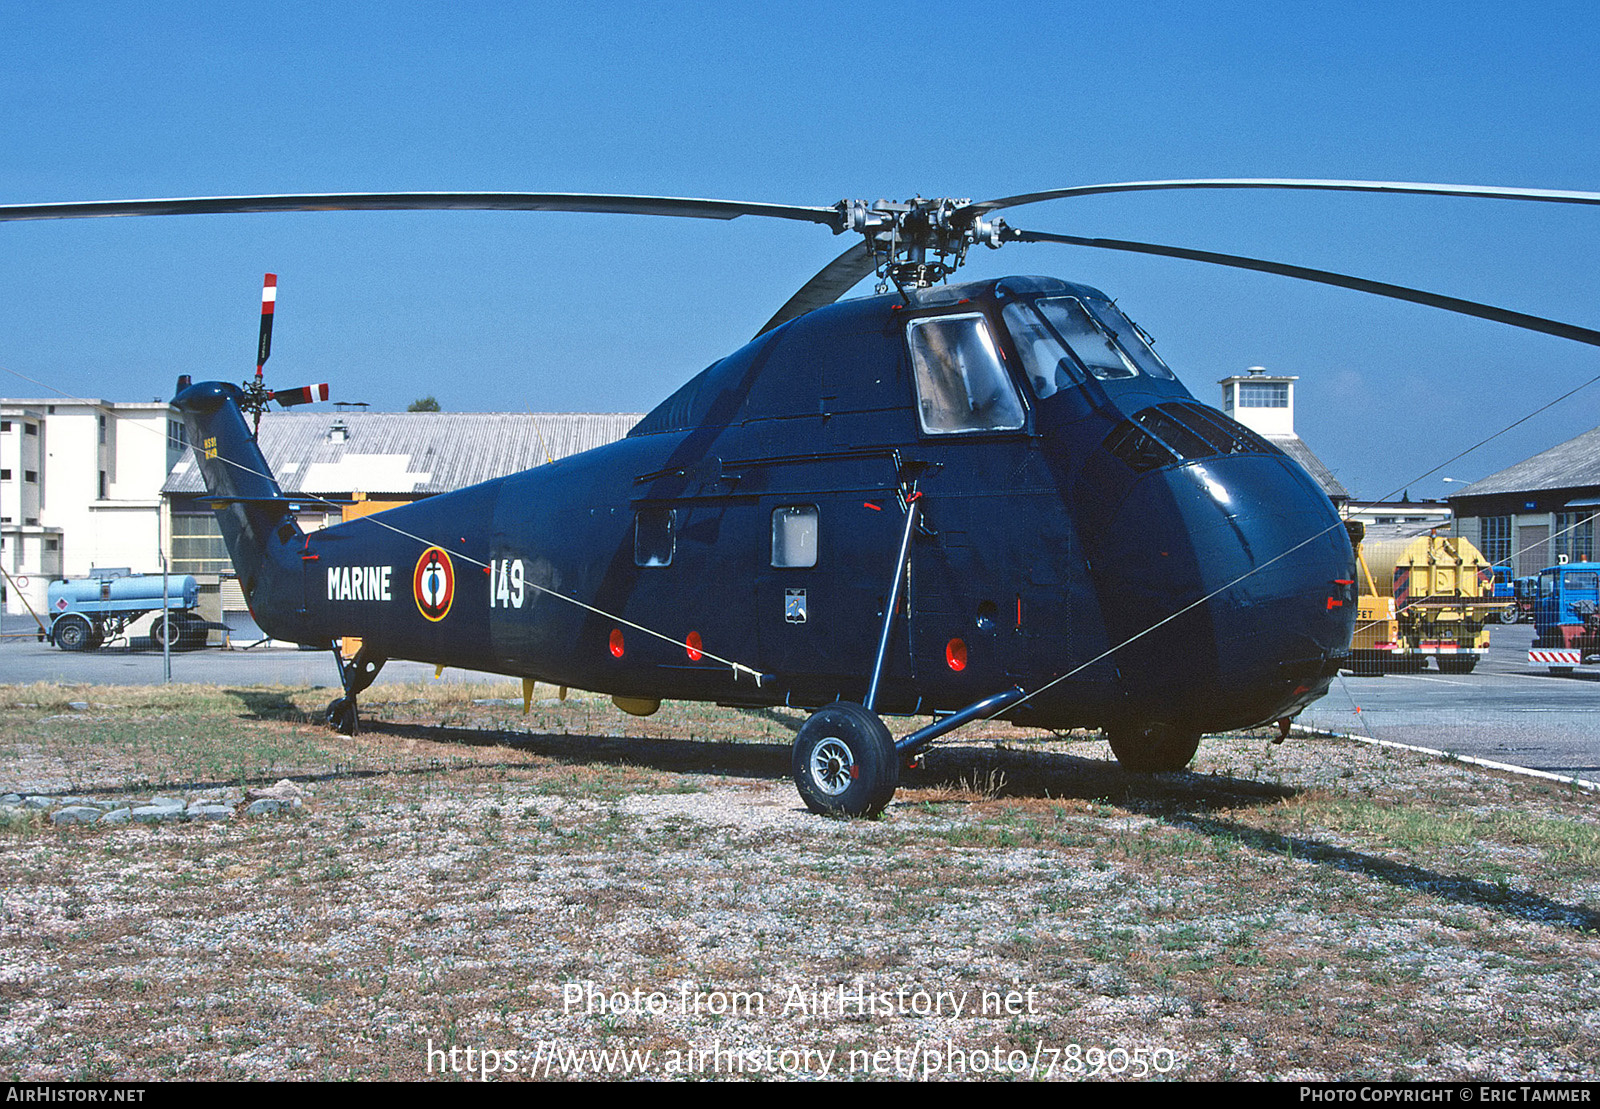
{"x":940,"y":403}
{"x":1129,"y":368}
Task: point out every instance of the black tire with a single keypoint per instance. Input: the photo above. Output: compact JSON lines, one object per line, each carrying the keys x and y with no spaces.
{"x":160,"y":635}
{"x":1153,"y":748}
{"x":1457,"y":664}
{"x":74,"y":633}
{"x":845,"y":762}
{"x":341,"y":716}
{"x":193,"y":633}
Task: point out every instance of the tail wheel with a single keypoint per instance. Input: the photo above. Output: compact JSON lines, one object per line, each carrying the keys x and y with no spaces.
{"x":845,"y":762}
{"x":341,"y":716}
{"x":1153,"y":748}
{"x":74,"y":633}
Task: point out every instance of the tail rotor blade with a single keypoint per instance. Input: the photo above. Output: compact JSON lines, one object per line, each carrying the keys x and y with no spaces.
{"x":306,"y":394}
{"x":269,"y":301}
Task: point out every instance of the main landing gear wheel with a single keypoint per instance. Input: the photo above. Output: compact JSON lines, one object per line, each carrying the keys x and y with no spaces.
{"x":845,"y":762}
{"x":1153,"y":748}
{"x":341,"y":716}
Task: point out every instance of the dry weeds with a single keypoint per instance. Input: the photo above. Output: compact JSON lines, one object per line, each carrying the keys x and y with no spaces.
{"x":1316,"y":910}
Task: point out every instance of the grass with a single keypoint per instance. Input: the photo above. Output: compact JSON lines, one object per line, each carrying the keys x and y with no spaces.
{"x":1314,"y":911}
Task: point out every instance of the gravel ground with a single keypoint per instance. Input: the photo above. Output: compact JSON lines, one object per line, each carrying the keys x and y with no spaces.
{"x":579,"y":893}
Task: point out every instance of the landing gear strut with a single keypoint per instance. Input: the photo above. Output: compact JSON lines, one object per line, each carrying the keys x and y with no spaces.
{"x":847,"y":764}
{"x":355,"y":676}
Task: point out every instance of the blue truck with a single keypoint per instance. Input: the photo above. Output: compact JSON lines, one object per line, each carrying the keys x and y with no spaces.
{"x":86,"y":612}
{"x":1505,"y":590}
{"x":1566,"y":617}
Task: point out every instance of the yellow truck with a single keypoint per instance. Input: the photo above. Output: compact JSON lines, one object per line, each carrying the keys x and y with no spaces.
{"x":1428,"y":596}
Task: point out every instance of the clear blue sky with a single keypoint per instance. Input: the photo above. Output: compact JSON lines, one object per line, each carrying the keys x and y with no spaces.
{"x":806,"y":104}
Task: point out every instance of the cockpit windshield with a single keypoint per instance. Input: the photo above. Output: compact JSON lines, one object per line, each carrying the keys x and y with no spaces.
{"x":1131,"y":337}
{"x":1102,"y":342}
{"x":1045,"y":362}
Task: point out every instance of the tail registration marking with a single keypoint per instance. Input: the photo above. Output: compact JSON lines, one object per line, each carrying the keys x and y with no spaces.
{"x":508,"y":580}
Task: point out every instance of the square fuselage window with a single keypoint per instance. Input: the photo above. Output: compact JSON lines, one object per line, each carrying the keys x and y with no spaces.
{"x":794,"y":536}
{"x":653,"y":537}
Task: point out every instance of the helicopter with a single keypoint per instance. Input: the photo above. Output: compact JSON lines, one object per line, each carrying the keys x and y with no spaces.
{"x":968,"y":501}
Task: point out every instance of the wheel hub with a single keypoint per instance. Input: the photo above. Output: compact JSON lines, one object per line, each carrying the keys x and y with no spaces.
{"x":832,"y":767}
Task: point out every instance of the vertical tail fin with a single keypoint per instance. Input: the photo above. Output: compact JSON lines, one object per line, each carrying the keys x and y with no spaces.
{"x":260,"y":531}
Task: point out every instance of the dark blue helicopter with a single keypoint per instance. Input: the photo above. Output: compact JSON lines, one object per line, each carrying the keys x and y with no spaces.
{"x":971,"y":501}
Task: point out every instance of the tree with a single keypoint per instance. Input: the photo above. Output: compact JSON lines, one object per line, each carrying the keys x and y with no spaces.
{"x":424,"y":404}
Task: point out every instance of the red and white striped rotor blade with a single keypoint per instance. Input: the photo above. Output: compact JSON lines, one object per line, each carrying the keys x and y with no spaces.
{"x":306,"y":394}
{"x":269,"y":301}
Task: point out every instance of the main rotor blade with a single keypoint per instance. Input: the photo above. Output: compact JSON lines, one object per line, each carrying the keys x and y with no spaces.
{"x":349,"y":202}
{"x":1326,"y":277}
{"x":1489,"y":192}
{"x":831,"y":282}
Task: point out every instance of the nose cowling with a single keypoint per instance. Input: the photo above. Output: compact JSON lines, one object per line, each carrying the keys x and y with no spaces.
{"x":1228,"y":585}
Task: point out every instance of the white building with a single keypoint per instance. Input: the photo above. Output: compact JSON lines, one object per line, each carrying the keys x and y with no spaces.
{"x":80,"y":488}
{"x":1264,"y":403}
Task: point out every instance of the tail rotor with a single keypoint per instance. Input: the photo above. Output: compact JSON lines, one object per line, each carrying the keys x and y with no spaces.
{"x":256,"y":394}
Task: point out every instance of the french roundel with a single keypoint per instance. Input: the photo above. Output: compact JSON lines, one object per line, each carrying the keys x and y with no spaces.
{"x":433,"y":584}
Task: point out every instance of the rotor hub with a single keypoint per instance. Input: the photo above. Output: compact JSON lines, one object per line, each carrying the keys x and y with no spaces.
{"x":919,"y":242}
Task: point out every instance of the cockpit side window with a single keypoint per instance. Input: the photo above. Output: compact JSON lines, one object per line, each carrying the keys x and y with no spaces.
{"x":962,"y":385}
{"x":1045,"y":362}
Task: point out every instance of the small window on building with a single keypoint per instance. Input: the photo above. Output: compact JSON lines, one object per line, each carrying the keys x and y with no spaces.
{"x":794,"y":536}
{"x":30,"y":429}
{"x":1496,"y":539}
{"x":961,"y":383}
{"x":31,"y":476}
{"x":5,"y":475}
{"x":1263,"y":394}
{"x":104,"y":486}
{"x":1574,"y":536}
{"x":177,"y":435}
{"x":653,"y":538}
{"x":102,"y":427}
{"x":5,"y":425}
{"x":197,"y":544}
{"x":52,"y":544}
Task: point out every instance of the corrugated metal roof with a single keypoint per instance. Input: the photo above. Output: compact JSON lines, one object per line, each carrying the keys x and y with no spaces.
{"x":1571,"y":465}
{"x":414,"y":453}
{"x":1295,"y":448}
